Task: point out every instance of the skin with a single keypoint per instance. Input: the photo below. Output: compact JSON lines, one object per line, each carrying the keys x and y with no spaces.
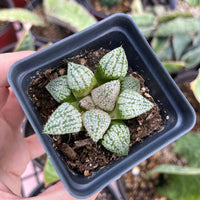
{"x":16,"y":151}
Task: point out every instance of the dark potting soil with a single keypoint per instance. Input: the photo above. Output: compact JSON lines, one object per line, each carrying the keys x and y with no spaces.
{"x":79,"y":151}
{"x":50,"y":31}
{"x":123,"y":7}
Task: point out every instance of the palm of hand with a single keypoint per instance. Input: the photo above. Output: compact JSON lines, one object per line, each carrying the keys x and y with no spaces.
{"x":14,"y":154}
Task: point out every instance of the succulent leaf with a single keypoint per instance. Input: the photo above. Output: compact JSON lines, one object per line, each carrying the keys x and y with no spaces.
{"x":59,"y":89}
{"x":144,"y":20}
{"x":87,"y":103}
{"x":195,"y":85}
{"x":196,"y":41}
{"x":180,"y":43}
{"x":65,"y":119}
{"x":50,"y":174}
{"x":117,"y":138}
{"x":178,"y":26}
{"x":130,"y":83}
{"x":81,"y":80}
{"x":172,"y":66}
{"x":159,"y":44}
{"x":147,"y":31}
{"x":105,"y":96}
{"x":96,"y":123}
{"x":26,"y":42}
{"x":20,"y":15}
{"x":172,"y":16}
{"x":131,"y":104}
{"x":113,"y":65}
{"x":69,"y":14}
{"x":166,"y":54}
{"x":191,"y":58}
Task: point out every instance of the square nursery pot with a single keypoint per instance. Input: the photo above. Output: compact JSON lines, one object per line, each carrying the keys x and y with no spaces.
{"x":177,"y":114}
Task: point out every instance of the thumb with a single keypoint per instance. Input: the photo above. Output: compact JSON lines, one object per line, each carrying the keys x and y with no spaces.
{"x":58,"y":191}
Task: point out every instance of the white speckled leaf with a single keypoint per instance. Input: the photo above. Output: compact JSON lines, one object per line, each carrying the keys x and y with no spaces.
{"x":59,"y":89}
{"x":117,"y":138}
{"x":65,"y":119}
{"x":130,"y":83}
{"x":131,"y":104}
{"x":96,"y":122}
{"x":81,"y":80}
{"x":87,"y":103}
{"x":105,"y":96}
{"x":113,"y":65}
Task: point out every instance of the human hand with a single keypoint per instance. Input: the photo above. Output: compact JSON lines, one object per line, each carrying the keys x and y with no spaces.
{"x":16,"y":151}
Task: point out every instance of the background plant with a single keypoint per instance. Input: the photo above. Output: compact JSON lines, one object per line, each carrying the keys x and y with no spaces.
{"x":66,"y":13}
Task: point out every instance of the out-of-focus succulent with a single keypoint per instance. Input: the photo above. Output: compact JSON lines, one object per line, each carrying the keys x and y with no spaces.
{"x":174,"y":36}
{"x":98,"y":105}
{"x":66,"y":13}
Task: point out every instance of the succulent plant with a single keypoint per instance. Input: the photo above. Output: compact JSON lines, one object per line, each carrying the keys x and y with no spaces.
{"x":69,"y":14}
{"x":175,"y":37}
{"x":109,"y":3}
{"x":98,"y":105}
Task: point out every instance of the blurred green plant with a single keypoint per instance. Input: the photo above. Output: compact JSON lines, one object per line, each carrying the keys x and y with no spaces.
{"x":173,"y":35}
{"x":195,"y":86}
{"x":65,"y":13}
{"x":182,"y":183}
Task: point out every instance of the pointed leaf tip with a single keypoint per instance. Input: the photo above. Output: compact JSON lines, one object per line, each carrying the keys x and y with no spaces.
{"x":130,"y":83}
{"x":65,"y":119}
{"x":105,"y":96}
{"x":117,"y":138}
{"x":96,"y":123}
{"x":113,"y":65}
{"x":131,"y":104}
{"x":59,"y":89}
{"x":81,"y":80}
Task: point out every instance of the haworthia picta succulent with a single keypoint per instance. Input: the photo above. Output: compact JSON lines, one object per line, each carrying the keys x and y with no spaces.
{"x":59,"y":89}
{"x":81,"y":79}
{"x":131,"y":104}
{"x":105,"y":96}
{"x":113,"y":65}
{"x":117,"y":138}
{"x":65,"y":119}
{"x":96,"y":122}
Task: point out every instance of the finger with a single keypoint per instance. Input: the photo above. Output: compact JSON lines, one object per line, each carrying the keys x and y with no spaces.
{"x":6,"y":60}
{"x":12,"y":111}
{"x":34,"y":146}
{"x":4,"y":92}
{"x":58,"y":191}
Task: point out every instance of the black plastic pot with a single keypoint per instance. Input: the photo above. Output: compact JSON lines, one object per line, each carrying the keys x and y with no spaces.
{"x":7,"y":34}
{"x":119,"y":29}
{"x":108,"y":191}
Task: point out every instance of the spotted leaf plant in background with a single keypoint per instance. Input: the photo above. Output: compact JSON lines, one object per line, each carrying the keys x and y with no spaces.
{"x":97,"y":103}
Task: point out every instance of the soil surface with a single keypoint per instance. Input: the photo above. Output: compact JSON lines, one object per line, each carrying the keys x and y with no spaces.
{"x":78,"y":149}
{"x":136,"y":183}
{"x":50,"y":31}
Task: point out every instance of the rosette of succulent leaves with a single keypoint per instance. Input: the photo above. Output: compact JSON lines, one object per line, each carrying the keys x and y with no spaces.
{"x":97,"y":103}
